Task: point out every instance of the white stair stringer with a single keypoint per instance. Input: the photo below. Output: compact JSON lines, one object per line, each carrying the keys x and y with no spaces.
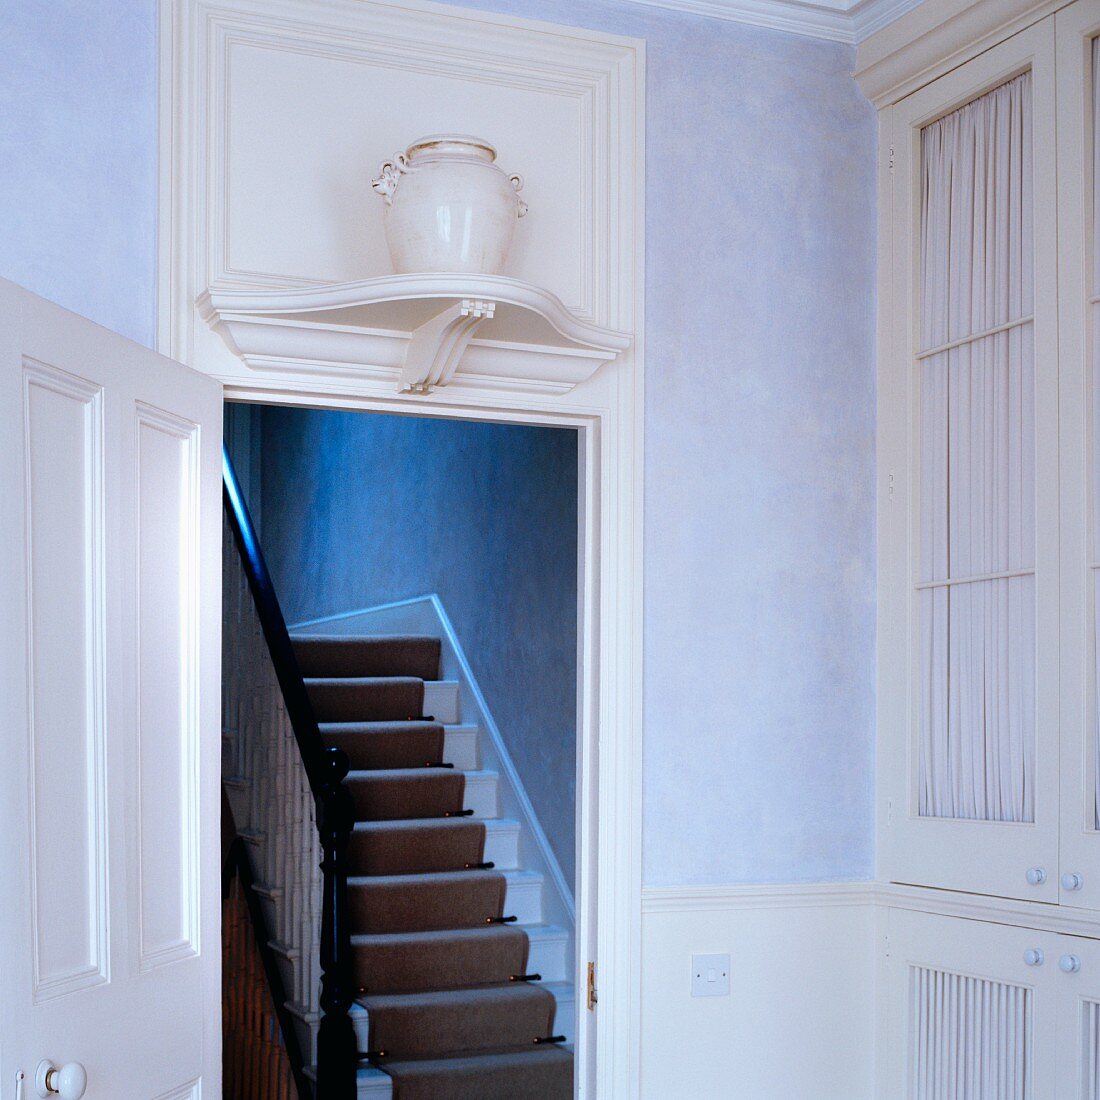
{"x":537,"y":893}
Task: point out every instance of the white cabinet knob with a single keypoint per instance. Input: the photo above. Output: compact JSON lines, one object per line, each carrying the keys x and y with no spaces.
{"x":1071,"y":880}
{"x":1036,"y":876}
{"x":1034,"y":956}
{"x":68,"y":1082}
{"x":1070,"y":964}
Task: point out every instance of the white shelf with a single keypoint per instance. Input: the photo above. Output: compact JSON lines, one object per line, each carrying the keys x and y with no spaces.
{"x":422,"y":331}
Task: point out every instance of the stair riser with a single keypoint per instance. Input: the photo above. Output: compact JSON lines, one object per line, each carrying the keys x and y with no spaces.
{"x":565,"y":1021}
{"x":502,"y":848}
{"x":441,"y":701}
{"x":481,"y":795}
{"x":523,"y":900}
{"x":460,"y":747}
{"x":547,"y":958}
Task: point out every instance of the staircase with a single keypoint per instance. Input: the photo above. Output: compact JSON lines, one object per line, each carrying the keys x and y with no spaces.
{"x":455,"y":998}
{"x":447,"y":931}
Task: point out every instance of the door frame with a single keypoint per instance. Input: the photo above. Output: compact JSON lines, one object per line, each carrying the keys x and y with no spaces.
{"x":609,"y":694}
{"x":607,"y":410}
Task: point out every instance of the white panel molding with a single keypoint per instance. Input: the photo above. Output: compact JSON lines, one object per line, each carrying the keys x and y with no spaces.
{"x":200,"y":39}
{"x":88,"y":397}
{"x":154,"y":953}
{"x":190,"y":1091}
{"x":936,"y":36}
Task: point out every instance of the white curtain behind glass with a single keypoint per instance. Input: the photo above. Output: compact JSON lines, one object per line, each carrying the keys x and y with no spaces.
{"x":977,"y":514}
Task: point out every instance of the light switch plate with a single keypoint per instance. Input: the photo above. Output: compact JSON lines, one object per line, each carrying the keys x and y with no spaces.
{"x":710,"y":975}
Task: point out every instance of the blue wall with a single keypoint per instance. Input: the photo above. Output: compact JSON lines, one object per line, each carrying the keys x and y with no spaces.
{"x":78,"y":156}
{"x":759,"y":404}
{"x":362,"y":509}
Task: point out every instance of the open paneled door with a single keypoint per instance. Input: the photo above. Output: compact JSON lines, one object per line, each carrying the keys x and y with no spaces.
{"x":110,"y":537}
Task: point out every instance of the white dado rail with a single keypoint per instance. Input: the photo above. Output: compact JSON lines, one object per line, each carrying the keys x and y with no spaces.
{"x":421,"y":331}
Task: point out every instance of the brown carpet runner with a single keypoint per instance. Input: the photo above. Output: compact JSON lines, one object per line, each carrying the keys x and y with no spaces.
{"x":446,"y":1021}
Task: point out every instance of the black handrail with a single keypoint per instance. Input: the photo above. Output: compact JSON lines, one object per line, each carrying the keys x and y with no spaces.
{"x":326,"y":769}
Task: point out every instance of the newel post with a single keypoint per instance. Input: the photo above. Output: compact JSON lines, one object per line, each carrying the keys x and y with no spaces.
{"x":337,"y":1046}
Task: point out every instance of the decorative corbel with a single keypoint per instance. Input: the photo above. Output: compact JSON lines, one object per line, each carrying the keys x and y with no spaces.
{"x":437,"y":346}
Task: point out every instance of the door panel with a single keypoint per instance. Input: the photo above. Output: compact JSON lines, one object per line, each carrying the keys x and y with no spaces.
{"x":1078,"y":1009}
{"x":65,"y":582}
{"x":966,"y":1015}
{"x":109,"y":686}
{"x":166,"y":549}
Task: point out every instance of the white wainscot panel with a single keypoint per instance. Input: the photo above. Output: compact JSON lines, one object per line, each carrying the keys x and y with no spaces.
{"x":168,"y":573}
{"x":63,"y":439}
{"x":799,"y":1020}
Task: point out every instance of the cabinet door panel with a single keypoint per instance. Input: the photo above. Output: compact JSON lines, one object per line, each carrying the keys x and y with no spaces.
{"x":1077,"y":1008}
{"x":968,"y":628}
{"x":967,"y":1017}
{"x":1077,"y":27}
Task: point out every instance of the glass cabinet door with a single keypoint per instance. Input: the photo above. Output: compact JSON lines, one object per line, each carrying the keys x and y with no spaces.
{"x":971,"y":732}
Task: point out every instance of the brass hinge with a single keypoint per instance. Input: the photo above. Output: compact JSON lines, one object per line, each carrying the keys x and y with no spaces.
{"x":592,"y":998}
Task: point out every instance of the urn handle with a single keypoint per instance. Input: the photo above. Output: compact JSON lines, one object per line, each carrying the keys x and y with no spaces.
{"x":516,"y":180}
{"x":389,"y":175}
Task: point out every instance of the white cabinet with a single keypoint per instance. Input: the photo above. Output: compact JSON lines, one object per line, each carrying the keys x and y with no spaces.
{"x":977,"y":1011}
{"x":987,"y":496}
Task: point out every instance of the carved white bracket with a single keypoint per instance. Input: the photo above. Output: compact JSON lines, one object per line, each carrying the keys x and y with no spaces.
{"x":438,"y":345}
{"x":416,"y":333}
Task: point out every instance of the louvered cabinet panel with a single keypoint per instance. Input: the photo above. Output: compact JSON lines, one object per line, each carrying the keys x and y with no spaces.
{"x":1078,"y":1008}
{"x":967,"y":1017}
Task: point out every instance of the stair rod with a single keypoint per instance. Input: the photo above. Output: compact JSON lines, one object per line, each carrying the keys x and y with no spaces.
{"x":326,"y":769}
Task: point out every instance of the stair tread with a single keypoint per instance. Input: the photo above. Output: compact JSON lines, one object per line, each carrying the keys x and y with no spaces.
{"x":412,"y":654}
{"x":469,"y":1020}
{"x":545,"y":1072}
{"x":491,"y":824}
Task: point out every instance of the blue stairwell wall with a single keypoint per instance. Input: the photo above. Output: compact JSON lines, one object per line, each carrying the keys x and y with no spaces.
{"x":362,"y":509}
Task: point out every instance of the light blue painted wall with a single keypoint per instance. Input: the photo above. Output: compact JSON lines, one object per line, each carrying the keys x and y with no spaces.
{"x":759,"y":406}
{"x":362,"y":509}
{"x":78,"y":156}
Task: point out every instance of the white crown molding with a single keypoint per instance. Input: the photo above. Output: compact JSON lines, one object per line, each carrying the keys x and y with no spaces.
{"x":933,"y":38}
{"x":838,"y":21}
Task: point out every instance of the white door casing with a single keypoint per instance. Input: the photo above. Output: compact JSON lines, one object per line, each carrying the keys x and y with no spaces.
{"x":233,"y":168}
{"x":109,"y":701}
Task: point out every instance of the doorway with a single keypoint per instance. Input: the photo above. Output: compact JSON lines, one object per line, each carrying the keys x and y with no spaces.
{"x":468,"y":532}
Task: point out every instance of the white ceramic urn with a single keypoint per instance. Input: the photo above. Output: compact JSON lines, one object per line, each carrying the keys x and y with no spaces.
{"x":449,"y":207}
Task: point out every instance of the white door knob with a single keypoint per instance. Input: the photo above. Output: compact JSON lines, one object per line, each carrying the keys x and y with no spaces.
{"x":1036,"y":876}
{"x":1034,"y":956}
{"x":68,"y":1082}
{"x":1071,"y":880}
{"x":1070,"y":964}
